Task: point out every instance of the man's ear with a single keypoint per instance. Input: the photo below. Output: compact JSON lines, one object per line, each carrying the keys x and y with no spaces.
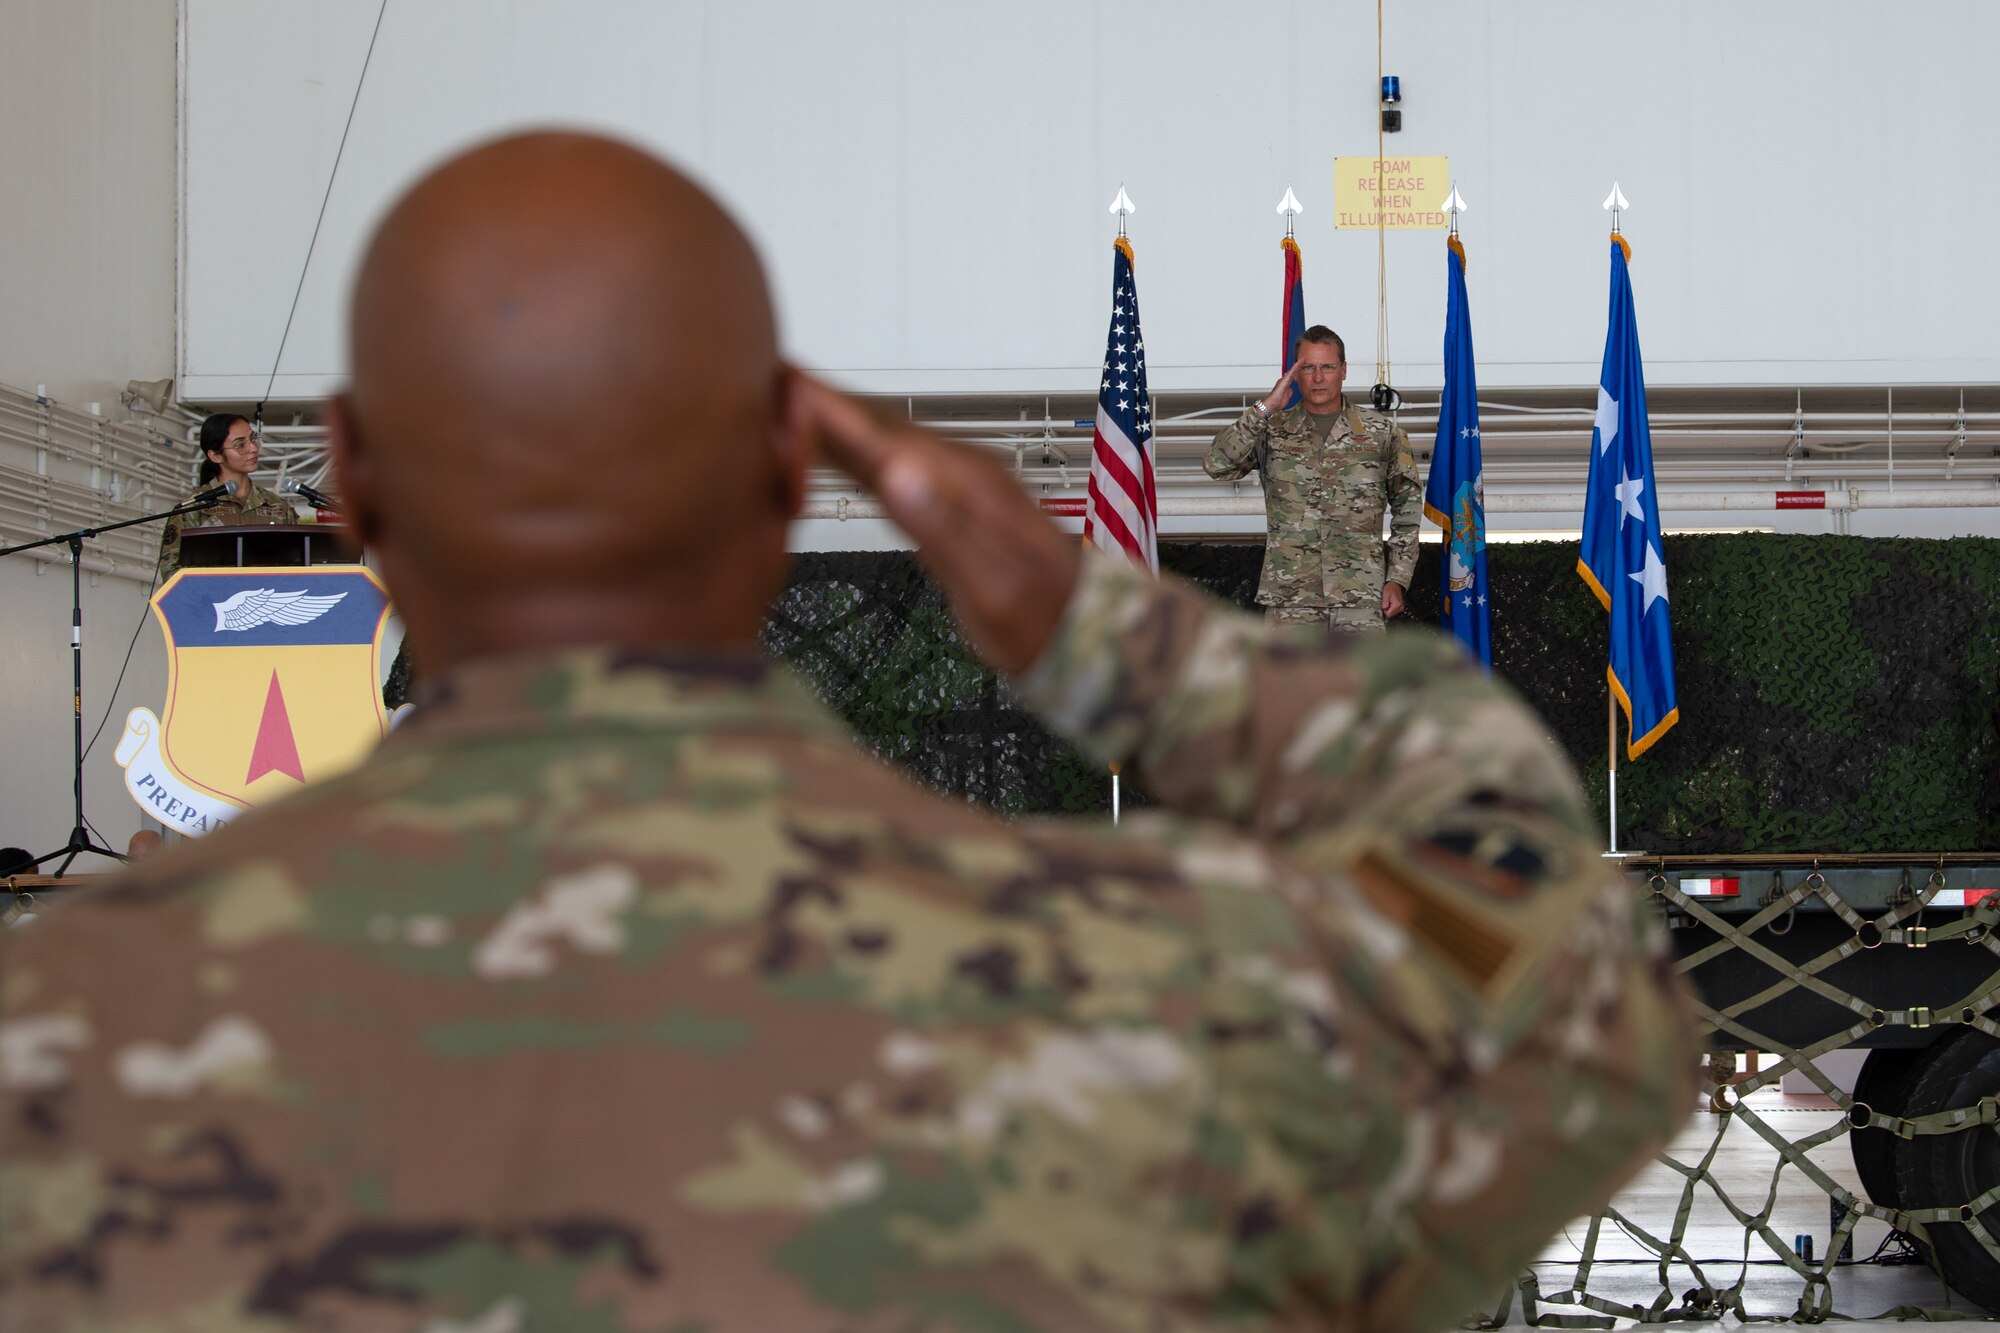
{"x":794,"y":445}
{"x":353,"y":475}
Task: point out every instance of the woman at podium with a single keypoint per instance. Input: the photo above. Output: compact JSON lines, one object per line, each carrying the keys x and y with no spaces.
{"x":228,"y":454}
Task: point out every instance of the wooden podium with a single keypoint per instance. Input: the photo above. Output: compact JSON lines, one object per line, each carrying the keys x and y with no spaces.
{"x":263,"y":545}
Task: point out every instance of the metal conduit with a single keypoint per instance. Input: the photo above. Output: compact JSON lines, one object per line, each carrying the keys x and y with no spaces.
{"x":1767,"y":422}
{"x":1247,"y":506}
{"x":63,"y":468}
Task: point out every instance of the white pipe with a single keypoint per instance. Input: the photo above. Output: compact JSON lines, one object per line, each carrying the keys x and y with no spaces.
{"x":1536,"y":426}
{"x":1833,"y":498}
{"x":1564,"y":502}
{"x":1613,"y":792}
{"x":1722,"y":474}
{"x":137,"y":571}
{"x":1676,"y":423}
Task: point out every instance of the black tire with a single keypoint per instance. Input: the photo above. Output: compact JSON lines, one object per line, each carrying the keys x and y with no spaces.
{"x":1884,"y":1085}
{"x":1941,"y":1170}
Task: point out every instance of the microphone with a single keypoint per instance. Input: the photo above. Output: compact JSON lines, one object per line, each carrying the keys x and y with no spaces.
{"x":212,"y":494}
{"x":317,"y":499}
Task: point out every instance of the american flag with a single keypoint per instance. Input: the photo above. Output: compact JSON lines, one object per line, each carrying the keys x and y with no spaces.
{"x":1124,"y":509}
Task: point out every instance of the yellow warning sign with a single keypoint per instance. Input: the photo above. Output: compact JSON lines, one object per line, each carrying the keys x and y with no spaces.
{"x":1395,"y":193}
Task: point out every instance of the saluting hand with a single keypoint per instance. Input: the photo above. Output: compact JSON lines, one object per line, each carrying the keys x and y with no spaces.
{"x":1281,"y":392}
{"x":1007,"y":570}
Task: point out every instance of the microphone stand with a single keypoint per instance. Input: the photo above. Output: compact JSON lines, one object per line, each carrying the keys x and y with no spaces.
{"x":79,"y":835}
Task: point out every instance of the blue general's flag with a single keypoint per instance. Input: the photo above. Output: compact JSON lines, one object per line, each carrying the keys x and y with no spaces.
{"x":1455,"y":496}
{"x":1295,"y":310}
{"x":1623,"y":560}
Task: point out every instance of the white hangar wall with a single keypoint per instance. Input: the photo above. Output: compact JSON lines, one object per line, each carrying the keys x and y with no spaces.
{"x":87,"y":224}
{"x":86,"y":303}
{"x":930,"y":180}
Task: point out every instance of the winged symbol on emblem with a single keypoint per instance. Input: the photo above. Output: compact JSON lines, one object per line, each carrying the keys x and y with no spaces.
{"x":264,"y":606}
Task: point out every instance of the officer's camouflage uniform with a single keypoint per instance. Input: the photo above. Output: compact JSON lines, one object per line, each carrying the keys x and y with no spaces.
{"x":1323,"y":507}
{"x":623,"y":992}
{"x":260,"y":506}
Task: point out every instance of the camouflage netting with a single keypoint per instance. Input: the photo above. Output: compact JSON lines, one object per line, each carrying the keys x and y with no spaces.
{"x":872,"y":633}
{"x":1837,"y":693}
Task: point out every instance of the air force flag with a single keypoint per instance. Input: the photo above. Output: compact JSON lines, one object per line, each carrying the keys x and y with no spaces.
{"x":1623,"y":560}
{"x":1455,"y":496}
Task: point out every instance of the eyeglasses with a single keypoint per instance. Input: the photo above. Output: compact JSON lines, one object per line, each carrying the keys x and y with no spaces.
{"x":1306,"y":369}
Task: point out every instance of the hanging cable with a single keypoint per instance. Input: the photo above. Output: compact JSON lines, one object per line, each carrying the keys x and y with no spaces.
{"x":1382,"y":369}
{"x":312,"y":244}
{"x":145,"y":614}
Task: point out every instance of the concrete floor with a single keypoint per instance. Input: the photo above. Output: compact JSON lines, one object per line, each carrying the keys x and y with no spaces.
{"x":1745,"y":1164}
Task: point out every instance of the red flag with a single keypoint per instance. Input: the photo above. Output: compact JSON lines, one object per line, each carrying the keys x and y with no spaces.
{"x":1295,"y":310}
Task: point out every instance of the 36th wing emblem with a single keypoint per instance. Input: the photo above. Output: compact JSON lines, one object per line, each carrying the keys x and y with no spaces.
{"x":273,"y":681}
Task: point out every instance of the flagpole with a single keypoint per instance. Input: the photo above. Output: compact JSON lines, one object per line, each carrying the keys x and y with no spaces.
{"x":1616,"y":203}
{"x":1608,"y":586}
{"x":1611,"y":749}
{"x":1121,"y":206}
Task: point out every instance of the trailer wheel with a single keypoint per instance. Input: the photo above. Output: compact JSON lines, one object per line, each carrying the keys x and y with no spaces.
{"x":1943,"y":1170}
{"x":1884,"y":1087}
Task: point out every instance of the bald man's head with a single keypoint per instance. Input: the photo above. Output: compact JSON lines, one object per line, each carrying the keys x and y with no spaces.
{"x":566,"y":417}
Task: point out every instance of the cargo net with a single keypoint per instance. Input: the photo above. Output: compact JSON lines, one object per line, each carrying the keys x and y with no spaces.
{"x":1926,"y":1143}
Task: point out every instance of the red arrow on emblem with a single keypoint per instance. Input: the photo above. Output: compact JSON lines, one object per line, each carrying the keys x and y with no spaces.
{"x":276,"y":750}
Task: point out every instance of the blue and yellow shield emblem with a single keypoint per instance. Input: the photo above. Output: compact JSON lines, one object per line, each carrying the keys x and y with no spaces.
{"x":273,"y":681}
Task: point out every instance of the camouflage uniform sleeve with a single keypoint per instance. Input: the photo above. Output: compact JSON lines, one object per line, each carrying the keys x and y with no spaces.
{"x":1406,"y":509}
{"x":1227,"y":720}
{"x":170,"y":550}
{"x":1234,"y":453}
{"x":1514,"y":1041}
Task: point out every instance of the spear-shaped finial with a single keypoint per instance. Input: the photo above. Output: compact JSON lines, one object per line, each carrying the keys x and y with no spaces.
{"x":1454,"y":204}
{"x":1616,"y":203}
{"x":1291,"y":208}
{"x":1123,"y":207}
